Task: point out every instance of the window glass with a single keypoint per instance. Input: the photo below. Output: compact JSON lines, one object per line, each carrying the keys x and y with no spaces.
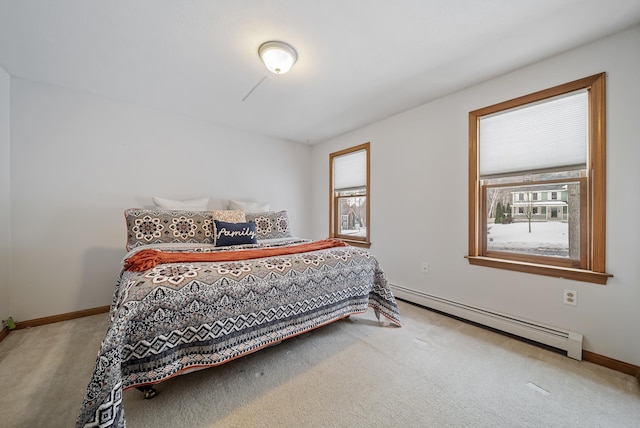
{"x":530,"y":226}
{"x":352,"y":214}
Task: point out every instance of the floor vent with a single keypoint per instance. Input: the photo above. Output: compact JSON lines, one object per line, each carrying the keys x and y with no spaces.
{"x":552,"y":336}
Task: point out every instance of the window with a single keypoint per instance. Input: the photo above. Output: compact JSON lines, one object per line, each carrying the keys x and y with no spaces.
{"x":349,"y":195}
{"x":544,"y":153}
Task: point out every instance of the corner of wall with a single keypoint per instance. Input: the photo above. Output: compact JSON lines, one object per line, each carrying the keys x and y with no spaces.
{"x":5,"y":195}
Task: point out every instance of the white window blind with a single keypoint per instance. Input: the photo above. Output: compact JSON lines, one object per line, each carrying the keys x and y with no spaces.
{"x":350,"y":171}
{"x":546,"y":135}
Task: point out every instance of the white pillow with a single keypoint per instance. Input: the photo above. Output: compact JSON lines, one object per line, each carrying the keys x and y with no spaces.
{"x":249,"y":207}
{"x":200,"y":204}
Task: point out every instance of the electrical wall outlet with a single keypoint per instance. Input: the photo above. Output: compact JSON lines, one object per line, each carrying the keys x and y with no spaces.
{"x":570,"y":297}
{"x":425,"y":268}
{"x":10,"y":323}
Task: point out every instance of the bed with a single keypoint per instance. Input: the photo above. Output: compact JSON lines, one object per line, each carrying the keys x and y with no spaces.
{"x":201,"y":288}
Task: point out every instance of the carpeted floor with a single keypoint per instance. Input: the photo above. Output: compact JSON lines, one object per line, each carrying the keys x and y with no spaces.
{"x":435,"y":371}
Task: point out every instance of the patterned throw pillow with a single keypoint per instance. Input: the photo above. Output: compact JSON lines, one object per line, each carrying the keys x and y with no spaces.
{"x":271,"y":224}
{"x":235,"y":233}
{"x":230,"y":216}
{"x":146,"y":226}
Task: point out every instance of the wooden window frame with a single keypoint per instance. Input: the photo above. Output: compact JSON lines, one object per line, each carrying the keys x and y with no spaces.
{"x":592,"y":229}
{"x":334,"y":231}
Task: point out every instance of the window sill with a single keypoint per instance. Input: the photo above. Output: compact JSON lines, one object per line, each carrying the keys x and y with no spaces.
{"x":353,"y":243}
{"x":555,"y":271}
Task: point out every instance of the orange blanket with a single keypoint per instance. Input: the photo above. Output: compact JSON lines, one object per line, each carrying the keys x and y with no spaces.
{"x":147,"y":259}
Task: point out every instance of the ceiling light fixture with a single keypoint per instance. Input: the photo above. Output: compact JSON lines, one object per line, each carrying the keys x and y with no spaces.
{"x":278,"y":57}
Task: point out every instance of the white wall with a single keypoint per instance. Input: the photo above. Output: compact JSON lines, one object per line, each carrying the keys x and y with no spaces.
{"x":419,"y":200}
{"x":78,"y":161}
{"x":5,"y":220}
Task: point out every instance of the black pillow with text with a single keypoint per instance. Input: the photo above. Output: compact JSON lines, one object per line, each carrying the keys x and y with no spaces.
{"x":235,"y":233}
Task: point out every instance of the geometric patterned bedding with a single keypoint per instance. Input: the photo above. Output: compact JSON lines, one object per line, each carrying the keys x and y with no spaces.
{"x":182,"y":316}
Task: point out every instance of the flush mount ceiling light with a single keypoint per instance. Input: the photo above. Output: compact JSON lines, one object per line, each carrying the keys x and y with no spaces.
{"x":278,"y":57}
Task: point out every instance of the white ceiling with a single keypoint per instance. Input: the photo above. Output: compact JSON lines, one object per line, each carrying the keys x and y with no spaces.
{"x":359,"y":60}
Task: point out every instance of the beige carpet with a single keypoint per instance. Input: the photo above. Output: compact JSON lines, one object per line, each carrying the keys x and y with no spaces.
{"x":433,"y":372}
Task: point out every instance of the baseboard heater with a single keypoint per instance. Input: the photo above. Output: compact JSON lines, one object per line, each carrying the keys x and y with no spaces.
{"x":569,"y":341}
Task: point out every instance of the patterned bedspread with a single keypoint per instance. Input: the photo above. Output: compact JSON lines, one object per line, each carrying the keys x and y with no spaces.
{"x":176,"y":317}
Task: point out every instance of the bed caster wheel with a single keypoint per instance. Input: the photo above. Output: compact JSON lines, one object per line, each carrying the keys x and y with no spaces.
{"x":148,"y":391}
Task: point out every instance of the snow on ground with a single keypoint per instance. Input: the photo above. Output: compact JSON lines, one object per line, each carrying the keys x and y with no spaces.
{"x":547,"y":236}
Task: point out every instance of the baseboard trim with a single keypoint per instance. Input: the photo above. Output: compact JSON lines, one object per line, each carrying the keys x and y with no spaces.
{"x":62,"y":317}
{"x":610,"y":363}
